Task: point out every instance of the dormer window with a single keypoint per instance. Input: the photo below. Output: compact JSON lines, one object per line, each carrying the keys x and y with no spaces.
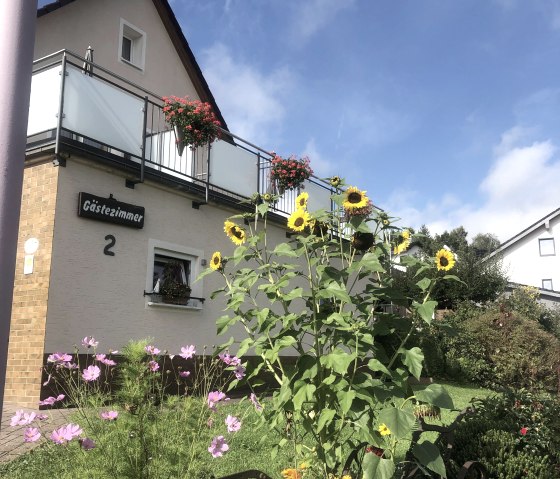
{"x":132,"y":45}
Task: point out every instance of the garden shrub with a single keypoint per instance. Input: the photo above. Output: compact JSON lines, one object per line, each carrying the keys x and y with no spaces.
{"x":515,"y":435}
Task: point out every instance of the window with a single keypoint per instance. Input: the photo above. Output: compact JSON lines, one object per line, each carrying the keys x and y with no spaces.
{"x":546,"y":247}
{"x":172,"y":270}
{"x":547,"y":284}
{"x":132,"y":45}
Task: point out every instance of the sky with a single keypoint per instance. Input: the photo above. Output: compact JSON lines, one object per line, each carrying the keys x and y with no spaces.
{"x":446,"y":112}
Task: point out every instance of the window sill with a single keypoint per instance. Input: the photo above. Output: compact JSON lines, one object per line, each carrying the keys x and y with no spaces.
{"x":178,"y":307}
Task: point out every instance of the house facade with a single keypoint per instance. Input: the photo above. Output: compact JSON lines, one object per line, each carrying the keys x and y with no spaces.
{"x":532,"y":257}
{"x":108,"y":200}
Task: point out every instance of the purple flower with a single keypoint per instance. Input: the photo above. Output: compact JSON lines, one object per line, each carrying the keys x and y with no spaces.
{"x":21,"y":418}
{"x":42,"y":417}
{"x":214,"y":398}
{"x":218,"y":446}
{"x":153,"y":365}
{"x":109,"y":415}
{"x":86,"y":443}
{"x":152,"y":350}
{"x":59,"y":358}
{"x":187,"y":352}
{"x":239,"y":372}
{"x":73,"y":430}
{"x":31,"y":434}
{"x":229,"y":360}
{"x":91,"y":373}
{"x":89,"y":342}
{"x":66,"y":433}
{"x":184,"y":374}
{"x":51,"y":400}
{"x":233,"y":423}
{"x":68,"y":365}
{"x":255,"y":401}
{"x":102,"y":358}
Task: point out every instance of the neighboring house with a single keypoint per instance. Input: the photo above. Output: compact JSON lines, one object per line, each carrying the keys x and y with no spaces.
{"x":97,"y":136}
{"x":532,"y":257}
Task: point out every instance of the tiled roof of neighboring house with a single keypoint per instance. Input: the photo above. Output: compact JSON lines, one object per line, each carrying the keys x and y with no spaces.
{"x":514,"y":239}
{"x":179,"y":42}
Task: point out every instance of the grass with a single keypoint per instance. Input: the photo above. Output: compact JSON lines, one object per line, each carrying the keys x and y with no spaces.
{"x":177,"y":441}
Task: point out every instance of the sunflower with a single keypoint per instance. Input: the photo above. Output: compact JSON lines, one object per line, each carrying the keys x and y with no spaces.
{"x":355,"y":198}
{"x":298,"y":220}
{"x":234,"y":232}
{"x":384,"y":430}
{"x":445,"y":260}
{"x":335,"y":181}
{"x":268,"y":197}
{"x":301,"y":200}
{"x":291,"y":473}
{"x":403,"y":242}
{"x":216,"y":261}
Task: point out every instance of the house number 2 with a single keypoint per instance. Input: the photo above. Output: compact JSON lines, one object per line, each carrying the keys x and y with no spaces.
{"x":111,"y":242}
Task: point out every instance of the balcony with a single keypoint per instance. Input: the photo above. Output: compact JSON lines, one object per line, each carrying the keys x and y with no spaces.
{"x":79,"y":107}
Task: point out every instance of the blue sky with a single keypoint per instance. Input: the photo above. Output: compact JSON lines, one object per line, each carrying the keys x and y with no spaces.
{"x":446,"y":112}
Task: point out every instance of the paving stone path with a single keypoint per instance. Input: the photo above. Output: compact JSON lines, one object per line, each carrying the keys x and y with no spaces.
{"x":11,"y":438}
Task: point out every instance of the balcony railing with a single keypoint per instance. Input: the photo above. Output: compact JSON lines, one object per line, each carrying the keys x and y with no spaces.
{"x":80,"y":105}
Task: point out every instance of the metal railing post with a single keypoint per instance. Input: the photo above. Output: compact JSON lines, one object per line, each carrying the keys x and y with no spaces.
{"x":144,"y":127}
{"x":60,"y":111}
{"x":259,"y":172}
{"x":208,"y":173}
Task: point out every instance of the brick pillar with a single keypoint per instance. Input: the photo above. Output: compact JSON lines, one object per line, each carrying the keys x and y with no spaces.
{"x":31,"y":291}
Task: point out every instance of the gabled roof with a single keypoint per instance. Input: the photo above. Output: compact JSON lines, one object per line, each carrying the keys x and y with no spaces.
{"x":179,"y":42}
{"x":542,"y":222}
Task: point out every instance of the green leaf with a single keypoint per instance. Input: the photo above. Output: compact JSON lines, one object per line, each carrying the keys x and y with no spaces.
{"x":345,"y":399}
{"x":284,"y":249}
{"x":334,"y":290}
{"x":370,"y":262}
{"x":338,"y":361}
{"x":400,"y":422}
{"x":428,"y":455}
{"x":412,"y":359}
{"x":437,"y":395}
{"x":376,"y":365}
{"x":293,"y":294}
{"x":424,"y":284}
{"x":426,"y":310}
{"x":239,"y":254}
{"x":375,"y":467}
{"x":244,"y":346}
{"x":326,"y":416}
{"x":263,"y":208}
{"x":304,"y":393}
{"x":223,"y":324}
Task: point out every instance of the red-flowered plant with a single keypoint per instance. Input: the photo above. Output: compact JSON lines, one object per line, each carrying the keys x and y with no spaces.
{"x":290,"y":173}
{"x":194,"y":118}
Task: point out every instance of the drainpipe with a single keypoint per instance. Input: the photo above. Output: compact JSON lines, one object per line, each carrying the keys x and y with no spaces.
{"x":17,"y":39}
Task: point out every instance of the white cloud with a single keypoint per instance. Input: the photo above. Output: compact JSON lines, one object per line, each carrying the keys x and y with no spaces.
{"x":322,"y":167}
{"x":520,"y":188}
{"x":313,"y":15}
{"x":250,"y":100}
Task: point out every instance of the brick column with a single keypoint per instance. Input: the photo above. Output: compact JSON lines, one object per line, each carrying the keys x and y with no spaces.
{"x":31,"y":291}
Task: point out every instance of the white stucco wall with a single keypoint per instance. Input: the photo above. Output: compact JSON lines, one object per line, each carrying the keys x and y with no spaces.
{"x":95,"y":294}
{"x":525,"y":265}
{"x":80,"y":24}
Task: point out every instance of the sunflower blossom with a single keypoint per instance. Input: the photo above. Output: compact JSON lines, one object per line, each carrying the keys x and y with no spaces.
{"x":354,"y":198}
{"x":403,"y":242}
{"x":216,"y":261}
{"x":445,"y":260}
{"x":234,"y":232}
{"x":301,"y":200}
{"x":298,"y":220}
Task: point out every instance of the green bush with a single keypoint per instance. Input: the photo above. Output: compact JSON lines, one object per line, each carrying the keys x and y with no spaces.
{"x":514,"y":435}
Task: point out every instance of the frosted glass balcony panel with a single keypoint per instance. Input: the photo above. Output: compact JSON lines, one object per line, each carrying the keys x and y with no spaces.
{"x":102,"y":112}
{"x":319,"y":197}
{"x":162,"y":155}
{"x":233,"y":168}
{"x":44,"y":101}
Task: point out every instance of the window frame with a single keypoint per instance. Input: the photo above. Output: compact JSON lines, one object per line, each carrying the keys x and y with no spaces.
{"x":137,"y":38}
{"x":542,"y":241}
{"x":551,"y":286}
{"x":181,"y":253}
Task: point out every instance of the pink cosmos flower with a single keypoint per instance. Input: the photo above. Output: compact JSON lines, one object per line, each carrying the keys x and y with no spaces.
{"x":31,"y":434}
{"x":523,"y":431}
{"x":51,"y":400}
{"x":73,"y":430}
{"x":214,"y":398}
{"x":184,"y":374}
{"x":239,"y":372}
{"x":89,"y":342}
{"x":229,"y":360}
{"x":42,"y":417}
{"x":21,"y":418}
{"x":153,"y":365}
{"x":91,"y":373}
{"x":218,"y":446}
{"x":102,"y":358}
{"x":109,"y":415}
{"x":187,"y":352}
{"x":233,"y":423}
{"x":255,"y":401}
{"x":66,"y":433}
{"x":86,"y":443}
{"x":59,"y":358}
{"x":152,"y":350}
